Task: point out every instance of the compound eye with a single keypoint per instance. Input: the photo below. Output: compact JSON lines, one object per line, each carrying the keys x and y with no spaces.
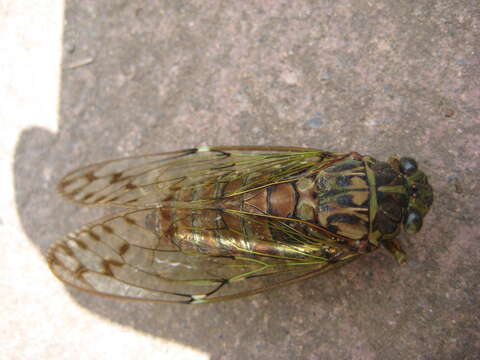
{"x":408,"y":166}
{"x":413,"y":222}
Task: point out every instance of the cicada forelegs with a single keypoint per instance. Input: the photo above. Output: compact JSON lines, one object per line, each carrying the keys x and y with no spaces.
{"x":394,"y":247}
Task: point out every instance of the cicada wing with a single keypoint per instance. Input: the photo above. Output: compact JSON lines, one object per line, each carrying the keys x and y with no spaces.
{"x":126,"y":256}
{"x":143,"y":181}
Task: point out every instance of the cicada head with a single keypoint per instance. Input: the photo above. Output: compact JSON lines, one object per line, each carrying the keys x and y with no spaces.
{"x":420,"y":193}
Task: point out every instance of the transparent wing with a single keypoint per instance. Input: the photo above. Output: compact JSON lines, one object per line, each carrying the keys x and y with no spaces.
{"x":127,"y":256}
{"x":148,"y":180}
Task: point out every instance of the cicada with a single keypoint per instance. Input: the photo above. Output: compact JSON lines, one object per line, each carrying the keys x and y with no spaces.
{"x":218,"y":223}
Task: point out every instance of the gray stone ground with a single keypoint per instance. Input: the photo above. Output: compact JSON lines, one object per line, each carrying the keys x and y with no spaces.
{"x":377,"y":77}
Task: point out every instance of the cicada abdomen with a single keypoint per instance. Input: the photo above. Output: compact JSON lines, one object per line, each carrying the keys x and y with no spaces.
{"x":201,"y":220}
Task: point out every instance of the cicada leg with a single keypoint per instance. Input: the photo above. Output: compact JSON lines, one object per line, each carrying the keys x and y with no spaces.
{"x":395,"y":249}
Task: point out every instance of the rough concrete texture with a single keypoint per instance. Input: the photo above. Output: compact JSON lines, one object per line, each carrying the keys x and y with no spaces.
{"x":378,"y":77}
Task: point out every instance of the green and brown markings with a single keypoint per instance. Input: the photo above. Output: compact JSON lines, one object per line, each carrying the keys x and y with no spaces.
{"x":213,"y":224}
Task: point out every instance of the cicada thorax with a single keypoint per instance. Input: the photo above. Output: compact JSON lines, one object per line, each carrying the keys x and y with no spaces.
{"x":360,"y":199}
{"x":337,"y":198}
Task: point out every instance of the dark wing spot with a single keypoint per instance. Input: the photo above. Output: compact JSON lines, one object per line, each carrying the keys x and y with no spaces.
{"x":93,"y":235}
{"x":79,"y":271}
{"x":90,"y":176}
{"x":87,"y":196}
{"x":116,"y":177}
{"x":130,"y":221}
{"x":107,"y":229}
{"x":66,"y":250}
{"x":81,"y":244}
{"x":130,"y":186}
{"x":123,"y":249}
{"x":66,"y":183}
{"x":107,"y":264}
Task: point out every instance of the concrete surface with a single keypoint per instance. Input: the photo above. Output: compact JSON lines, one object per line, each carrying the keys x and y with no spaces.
{"x":378,"y":77}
